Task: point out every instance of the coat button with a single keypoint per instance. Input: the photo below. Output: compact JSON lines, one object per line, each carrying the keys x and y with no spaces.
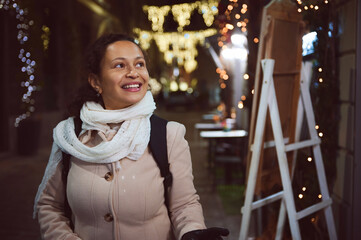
{"x":108,"y":217}
{"x":108,"y":176}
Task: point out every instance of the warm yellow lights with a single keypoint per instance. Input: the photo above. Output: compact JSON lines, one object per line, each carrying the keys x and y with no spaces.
{"x":317,"y":127}
{"x":240,"y":105}
{"x":300,"y":196}
{"x":320,"y":69}
{"x":173,"y":86}
{"x":181,"y":46}
{"x":255,"y":40}
{"x":309,"y":159}
{"x":45,"y":37}
{"x":308,"y":7}
{"x":183,"y":86}
{"x":243,"y":98}
{"x":304,"y":189}
{"x":319,"y":196}
{"x":223,"y":85}
{"x":229,"y":26}
{"x":156,"y":16}
{"x":320,"y":80}
{"x":155,"y":86}
{"x":181,"y":13}
{"x":252,"y":91}
{"x":246,"y":76}
{"x":320,"y":134}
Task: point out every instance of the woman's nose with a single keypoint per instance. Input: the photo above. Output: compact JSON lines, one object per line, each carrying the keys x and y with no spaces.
{"x":132,"y":73}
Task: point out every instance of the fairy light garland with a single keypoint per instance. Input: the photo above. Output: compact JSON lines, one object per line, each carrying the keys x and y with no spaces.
{"x":156,"y":15}
{"x":310,"y":5}
{"x":234,"y":17}
{"x":179,"y":45}
{"x":28,"y":64}
{"x":181,"y":13}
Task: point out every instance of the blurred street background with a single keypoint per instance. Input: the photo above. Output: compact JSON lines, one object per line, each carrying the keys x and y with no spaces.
{"x":203,"y":60}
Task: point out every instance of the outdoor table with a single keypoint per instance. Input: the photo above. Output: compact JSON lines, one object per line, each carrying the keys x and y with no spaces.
{"x":213,"y":136}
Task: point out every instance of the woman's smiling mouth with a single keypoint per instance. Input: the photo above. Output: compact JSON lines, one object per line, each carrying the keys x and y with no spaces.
{"x":132,"y":86}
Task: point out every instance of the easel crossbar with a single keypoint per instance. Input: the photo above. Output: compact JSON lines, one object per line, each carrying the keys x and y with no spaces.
{"x":271,"y":144}
{"x":314,"y":208}
{"x":264,"y":201}
{"x":303,"y":144}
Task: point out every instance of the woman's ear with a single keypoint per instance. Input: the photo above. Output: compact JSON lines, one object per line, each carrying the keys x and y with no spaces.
{"x":95,"y":83}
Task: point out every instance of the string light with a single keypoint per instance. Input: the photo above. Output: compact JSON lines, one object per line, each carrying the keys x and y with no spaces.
{"x":181,"y":13}
{"x":246,"y":76}
{"x":300,"y":196}
{"x":317,"y":127}
{"x":28,"y":64}
{"x":319,"y":196}
{"x":309,"y":7}
{"x":181,"y":46}
{"x":156,"y":16}
{"x":309,"y":159}
{"x":45,"y":36}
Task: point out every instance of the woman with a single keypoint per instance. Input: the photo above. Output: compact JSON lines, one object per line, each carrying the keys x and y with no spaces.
{"x":114,"y":187}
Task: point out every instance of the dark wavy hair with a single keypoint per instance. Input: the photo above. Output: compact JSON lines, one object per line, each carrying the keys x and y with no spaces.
{"x":93,"y":57}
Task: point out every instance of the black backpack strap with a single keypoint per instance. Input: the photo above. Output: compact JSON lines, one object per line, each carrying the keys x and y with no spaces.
{"x":66,"y":167}
{"x":158,"y":147}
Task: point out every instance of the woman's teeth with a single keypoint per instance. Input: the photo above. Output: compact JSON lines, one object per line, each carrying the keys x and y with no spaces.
{"x":131,"y":86}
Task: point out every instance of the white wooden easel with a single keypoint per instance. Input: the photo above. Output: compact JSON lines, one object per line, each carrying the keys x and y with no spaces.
{"x":268,"y":101}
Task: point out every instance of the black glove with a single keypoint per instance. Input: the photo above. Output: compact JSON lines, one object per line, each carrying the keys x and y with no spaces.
{"x":213,"y":233}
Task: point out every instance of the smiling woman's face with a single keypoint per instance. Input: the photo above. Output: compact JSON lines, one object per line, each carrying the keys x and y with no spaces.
{"x":124,"y":77}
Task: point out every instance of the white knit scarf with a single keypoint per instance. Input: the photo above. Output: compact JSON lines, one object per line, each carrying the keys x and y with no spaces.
{"x":129,"y":141}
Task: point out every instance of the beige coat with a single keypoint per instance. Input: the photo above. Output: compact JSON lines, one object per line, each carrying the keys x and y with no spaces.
{"x":127,"y":203}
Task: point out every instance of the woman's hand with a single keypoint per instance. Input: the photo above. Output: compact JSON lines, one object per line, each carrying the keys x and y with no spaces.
{"x":214,"y":233}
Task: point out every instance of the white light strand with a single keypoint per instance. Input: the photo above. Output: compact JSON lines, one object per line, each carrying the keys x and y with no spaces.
{"x":28,"y":64}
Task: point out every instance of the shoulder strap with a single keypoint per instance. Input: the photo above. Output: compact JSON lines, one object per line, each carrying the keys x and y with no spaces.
{"x":158,"y":147}
{"x":66,"y":167}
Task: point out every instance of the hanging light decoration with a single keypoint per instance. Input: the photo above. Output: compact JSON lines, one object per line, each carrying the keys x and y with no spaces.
{"x":180,"y":45}
{"x":25,"y":57}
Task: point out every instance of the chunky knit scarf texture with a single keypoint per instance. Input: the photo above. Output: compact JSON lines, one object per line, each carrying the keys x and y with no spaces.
{"x":129,"y":141}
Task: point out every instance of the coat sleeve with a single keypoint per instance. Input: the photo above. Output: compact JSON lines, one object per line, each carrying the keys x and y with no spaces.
{"x":52,"y":220}
{"x":186,"y":211}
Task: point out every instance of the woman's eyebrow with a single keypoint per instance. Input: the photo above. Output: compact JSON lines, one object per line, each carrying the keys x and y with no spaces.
{"x":123,"y":58}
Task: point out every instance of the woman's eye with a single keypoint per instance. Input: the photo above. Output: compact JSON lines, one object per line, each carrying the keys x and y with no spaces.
{"x":119,"y":65}
{"x":140,"y":64}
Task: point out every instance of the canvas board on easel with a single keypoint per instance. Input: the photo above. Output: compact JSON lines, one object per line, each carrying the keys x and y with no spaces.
{"x":281,"y":39}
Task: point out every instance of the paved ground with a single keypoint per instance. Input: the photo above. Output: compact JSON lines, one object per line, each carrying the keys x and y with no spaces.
{"x":20,"y":177}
